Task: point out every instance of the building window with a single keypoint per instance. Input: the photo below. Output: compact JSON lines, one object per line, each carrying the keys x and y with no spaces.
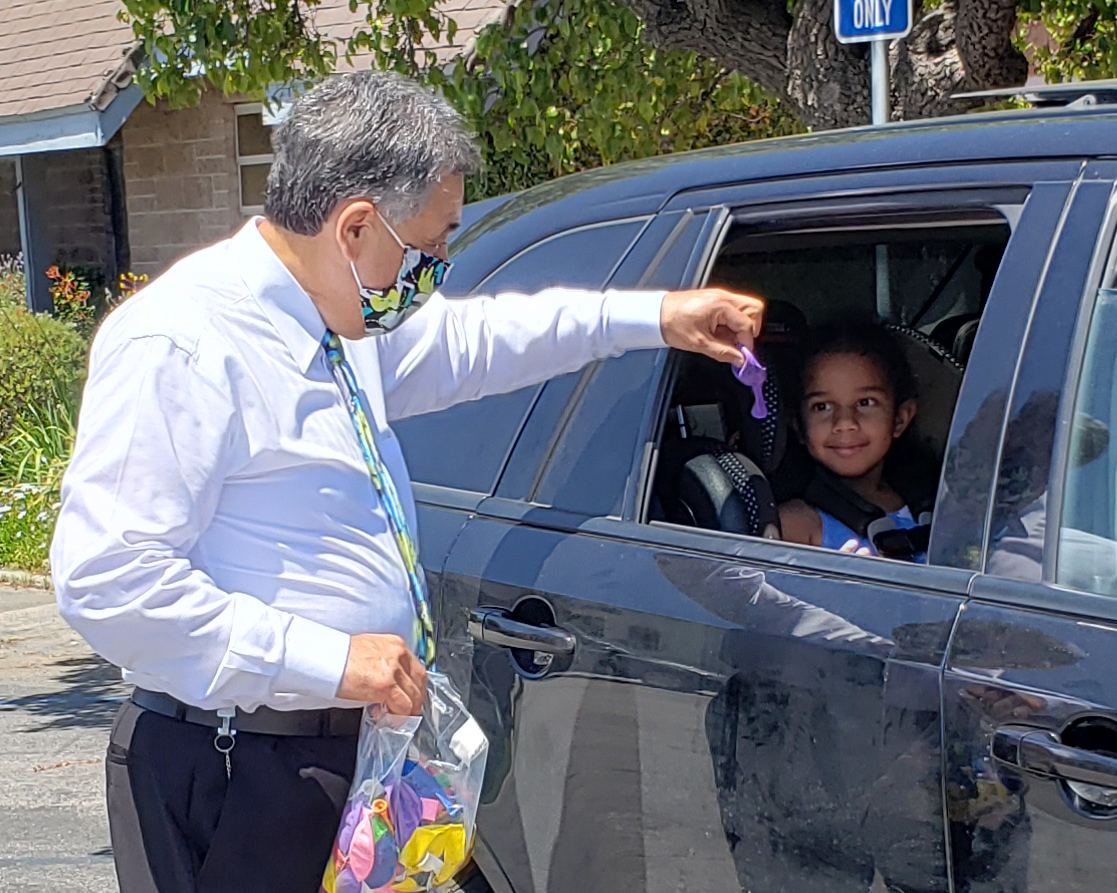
{"x":254,"y":156}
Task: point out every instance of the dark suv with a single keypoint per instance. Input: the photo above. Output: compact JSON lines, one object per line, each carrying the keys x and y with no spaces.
{"x":677,"y":700}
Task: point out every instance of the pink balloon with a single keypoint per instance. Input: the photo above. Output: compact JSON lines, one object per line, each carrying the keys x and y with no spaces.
{"x":362,"y":850}
{"x":430,"y":809}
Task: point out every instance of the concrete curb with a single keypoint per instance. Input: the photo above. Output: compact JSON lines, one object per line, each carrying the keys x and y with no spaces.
{"x":24,"y":579}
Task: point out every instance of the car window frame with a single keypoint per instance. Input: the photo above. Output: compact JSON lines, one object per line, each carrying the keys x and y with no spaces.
{"x":1103,"y":268}
{"x":914,"y":200}
{"x":1097,"y":184}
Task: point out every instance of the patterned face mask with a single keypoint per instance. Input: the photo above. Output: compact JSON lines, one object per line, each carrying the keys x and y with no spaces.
{"x":420,"y":274}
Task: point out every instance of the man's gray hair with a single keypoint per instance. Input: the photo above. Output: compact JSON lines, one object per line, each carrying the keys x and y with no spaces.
{"x":369,"y":134}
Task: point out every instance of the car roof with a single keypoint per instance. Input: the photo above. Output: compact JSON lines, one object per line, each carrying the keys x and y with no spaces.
{"x":642,"y":187}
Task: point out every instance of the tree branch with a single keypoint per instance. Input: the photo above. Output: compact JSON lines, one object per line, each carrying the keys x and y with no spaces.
{"x":749,"y":36}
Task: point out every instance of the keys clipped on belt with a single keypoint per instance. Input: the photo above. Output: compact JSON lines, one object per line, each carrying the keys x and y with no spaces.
{"x":226,"y":738}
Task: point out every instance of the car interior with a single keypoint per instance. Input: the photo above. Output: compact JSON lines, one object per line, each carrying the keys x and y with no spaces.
{"x":719,"y":468}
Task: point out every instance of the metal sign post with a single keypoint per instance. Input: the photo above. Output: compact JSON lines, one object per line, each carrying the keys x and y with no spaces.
{"x":878,"y":21}
{"x":881,"y":106}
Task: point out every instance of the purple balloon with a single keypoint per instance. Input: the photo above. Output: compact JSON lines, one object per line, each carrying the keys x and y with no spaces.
{"x":349,"y":824}
{"x":752,"y":374}
{"x":347,"y":881}
{"x":406,"y":810}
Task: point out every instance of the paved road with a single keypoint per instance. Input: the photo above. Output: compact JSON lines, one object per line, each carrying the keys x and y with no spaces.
{"x":56,"y":704}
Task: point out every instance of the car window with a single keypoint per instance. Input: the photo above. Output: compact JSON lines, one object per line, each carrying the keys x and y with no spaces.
{"x":1087,"y":556}
{"x":577,"y":258}
{"x":465,"y":446}
{"x":926,"y":275}
{"x":590,"y":462}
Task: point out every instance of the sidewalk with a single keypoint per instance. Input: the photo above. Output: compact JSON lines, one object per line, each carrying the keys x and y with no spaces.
{"x":57,"y":701}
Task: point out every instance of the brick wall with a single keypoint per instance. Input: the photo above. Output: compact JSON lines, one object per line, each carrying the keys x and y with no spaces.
{"x":78,"y":210}
{"x":9,"y":211}
{"x":180,"y":180}
{"x":76,"y":207}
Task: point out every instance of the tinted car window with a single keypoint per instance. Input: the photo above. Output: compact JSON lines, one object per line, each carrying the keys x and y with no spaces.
{"x":1087,"y":556}
{"x":592,"y":460}
{"x":579,"y":258}
{"x":466,"y":445}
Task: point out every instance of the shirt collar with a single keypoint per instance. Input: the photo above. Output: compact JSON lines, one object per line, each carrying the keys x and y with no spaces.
{"x":286,"y":303}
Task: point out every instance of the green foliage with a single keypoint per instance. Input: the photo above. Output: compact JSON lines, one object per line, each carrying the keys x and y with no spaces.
{"x":1084,"y":38}
{"x":237,"y":46}
{"x":25,"y":529}
{"x":566,"y":85}
{"x":592,"y":92}
{"x":42,"y":367}
{"x":42,"y":360}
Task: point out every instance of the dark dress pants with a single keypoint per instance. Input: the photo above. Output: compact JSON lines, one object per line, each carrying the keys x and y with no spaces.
{"x":179,"y":824}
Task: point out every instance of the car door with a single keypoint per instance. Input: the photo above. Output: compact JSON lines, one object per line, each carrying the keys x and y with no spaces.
{"x":1030,"y":690}
{"x":674,"y":709}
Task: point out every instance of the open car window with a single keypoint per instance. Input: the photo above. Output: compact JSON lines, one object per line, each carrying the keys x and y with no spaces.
{"x":927,"y":276}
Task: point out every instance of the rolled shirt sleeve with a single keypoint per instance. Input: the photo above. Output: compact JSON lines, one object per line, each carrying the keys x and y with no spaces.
{"x":155,"y":442}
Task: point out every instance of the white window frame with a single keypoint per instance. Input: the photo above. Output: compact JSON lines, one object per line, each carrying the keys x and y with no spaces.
{"x":253,"y":108}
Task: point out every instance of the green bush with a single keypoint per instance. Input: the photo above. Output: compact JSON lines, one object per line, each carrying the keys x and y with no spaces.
{"x":42,"y":369}
{"x":42,"y":359}
{"x":26,"y":526}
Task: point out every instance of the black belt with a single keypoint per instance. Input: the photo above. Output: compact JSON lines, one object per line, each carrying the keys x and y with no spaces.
{"x":336,"y":722}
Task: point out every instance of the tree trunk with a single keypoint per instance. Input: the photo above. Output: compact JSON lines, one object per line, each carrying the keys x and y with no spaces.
{"x":960,"y":45}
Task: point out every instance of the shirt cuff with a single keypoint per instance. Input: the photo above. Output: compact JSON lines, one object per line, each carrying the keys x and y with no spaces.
{"x":314,"y":659}
{"x":632,"y":319}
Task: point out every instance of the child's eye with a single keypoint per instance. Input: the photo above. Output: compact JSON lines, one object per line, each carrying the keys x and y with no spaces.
{"x":868,"y":401}
{"x":819,"y":407}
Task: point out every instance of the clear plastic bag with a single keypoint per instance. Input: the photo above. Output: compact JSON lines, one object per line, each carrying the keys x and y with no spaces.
{"x":410,"y":818}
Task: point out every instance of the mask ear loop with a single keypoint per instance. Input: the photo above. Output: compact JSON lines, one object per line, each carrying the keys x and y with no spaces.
{"x":364,"y":291}
{"x":390,"y":230}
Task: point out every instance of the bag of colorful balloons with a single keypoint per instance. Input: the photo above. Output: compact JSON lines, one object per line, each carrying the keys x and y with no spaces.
{"x":409,"y":821}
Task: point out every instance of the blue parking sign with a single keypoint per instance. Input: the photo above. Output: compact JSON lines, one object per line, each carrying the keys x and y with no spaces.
{"x":856,"y":21}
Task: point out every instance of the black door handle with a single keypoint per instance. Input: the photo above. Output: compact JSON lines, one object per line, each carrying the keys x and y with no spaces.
{"x":494,"y":627}
{"x":1040,"y":752}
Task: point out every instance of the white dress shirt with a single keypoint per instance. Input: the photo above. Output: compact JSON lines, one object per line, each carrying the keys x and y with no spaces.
{"x":219,"y":536}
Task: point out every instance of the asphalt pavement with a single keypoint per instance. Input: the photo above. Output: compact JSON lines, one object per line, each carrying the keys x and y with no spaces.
{"x":57,"y":701}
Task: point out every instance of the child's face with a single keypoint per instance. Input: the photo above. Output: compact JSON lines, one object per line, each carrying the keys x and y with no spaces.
{"x":850,"y":416}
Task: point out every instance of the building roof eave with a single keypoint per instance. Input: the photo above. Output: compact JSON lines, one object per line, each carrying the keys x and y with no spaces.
{"x":86,"y":125}
{"x":74,"y":127}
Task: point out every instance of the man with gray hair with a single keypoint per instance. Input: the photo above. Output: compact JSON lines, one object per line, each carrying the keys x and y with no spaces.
{"x":236,"y":529}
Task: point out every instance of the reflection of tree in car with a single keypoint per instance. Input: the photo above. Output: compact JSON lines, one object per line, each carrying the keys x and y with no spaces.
{"x":1020,"y":509}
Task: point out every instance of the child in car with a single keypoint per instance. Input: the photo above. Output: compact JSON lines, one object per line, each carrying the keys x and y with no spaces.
{"x":856,"y":398}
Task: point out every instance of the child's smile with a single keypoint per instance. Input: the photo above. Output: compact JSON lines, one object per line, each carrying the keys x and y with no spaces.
{"x":850,"y":417}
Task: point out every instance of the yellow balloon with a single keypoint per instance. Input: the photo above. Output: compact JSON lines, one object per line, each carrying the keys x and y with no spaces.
{"x":329,"y":879}
{"x":427,"y":847}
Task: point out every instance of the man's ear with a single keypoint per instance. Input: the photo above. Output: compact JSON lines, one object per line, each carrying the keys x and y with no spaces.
{"x":353,"y":226}
{"x":905,"y":414}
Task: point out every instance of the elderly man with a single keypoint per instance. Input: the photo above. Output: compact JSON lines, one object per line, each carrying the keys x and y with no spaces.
{"x":236,"y":529}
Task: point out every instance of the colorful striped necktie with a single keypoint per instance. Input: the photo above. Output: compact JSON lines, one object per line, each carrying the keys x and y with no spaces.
{"x":389,"y":496}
